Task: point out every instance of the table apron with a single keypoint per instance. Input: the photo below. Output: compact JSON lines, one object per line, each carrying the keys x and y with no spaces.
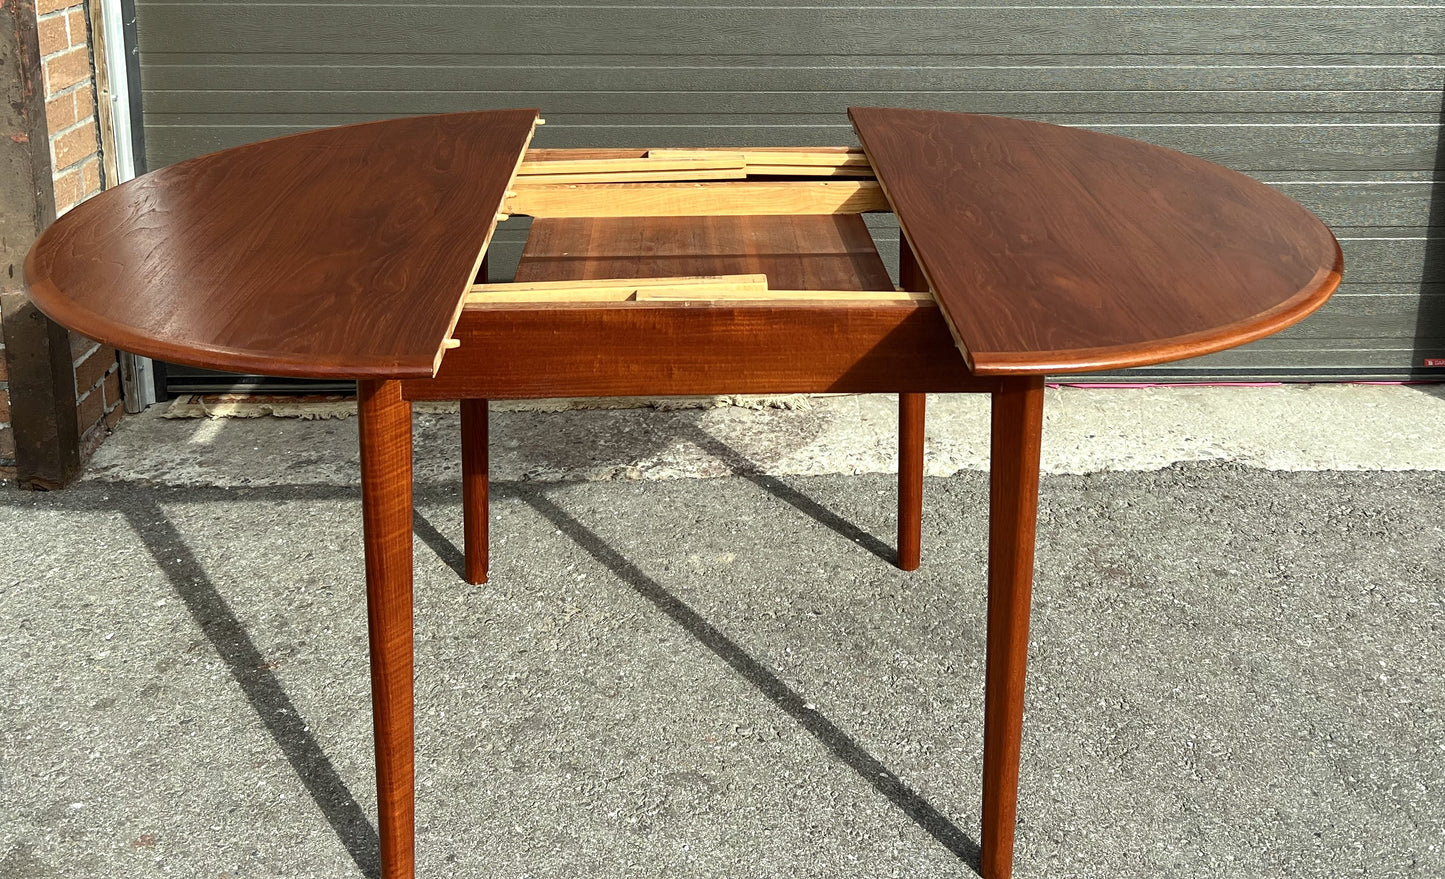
{"x":641,"y":349}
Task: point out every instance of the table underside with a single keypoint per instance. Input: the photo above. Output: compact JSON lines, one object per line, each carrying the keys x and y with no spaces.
{"x":800,"y":252}
{"x":753,"y":332}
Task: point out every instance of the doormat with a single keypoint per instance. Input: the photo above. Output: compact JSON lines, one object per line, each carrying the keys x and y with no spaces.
{"x":316,"y":407}
{"x":304,"y":406}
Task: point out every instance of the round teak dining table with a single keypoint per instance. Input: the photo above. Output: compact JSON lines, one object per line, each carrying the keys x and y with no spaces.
{"x":354,"y":252}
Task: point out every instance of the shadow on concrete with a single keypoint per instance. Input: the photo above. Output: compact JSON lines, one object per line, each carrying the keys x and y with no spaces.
{"x":248,"y":669}
{"x":212,"y":613}
{"x":842,"y":746}
{"x":741,"y":465}
{"x":445,"y":550}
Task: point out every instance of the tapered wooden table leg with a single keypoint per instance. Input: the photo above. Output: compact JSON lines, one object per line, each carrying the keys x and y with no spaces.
{"x":474,"y":489}
{"x":1018,"y":407}
{"x":910,"y":437}
{"x":911,"y":408}
{"x":386,"y":502}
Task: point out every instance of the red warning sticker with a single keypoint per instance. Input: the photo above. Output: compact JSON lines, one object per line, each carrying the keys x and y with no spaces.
{"x":1435,"y":361}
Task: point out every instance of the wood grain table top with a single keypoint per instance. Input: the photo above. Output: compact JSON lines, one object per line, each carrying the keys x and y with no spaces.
{"x":1055,"y":249}
{"x":344,"y":252}
{"x":347,"y":252}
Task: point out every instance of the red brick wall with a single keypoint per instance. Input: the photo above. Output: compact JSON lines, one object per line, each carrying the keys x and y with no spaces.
{"x":7,"y":436}
{"x":75,"y":156}
{"x":75,"y":147}
{"x":69,"y":101}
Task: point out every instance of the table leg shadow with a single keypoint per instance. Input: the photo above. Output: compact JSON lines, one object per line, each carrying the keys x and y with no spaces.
{"x":789,"y":701}
{"x":907,"y":555}
{"x":444,"y":548}
{"x":228,"y":637}
{"x":213,"y":616}
{"x":741,"y":465}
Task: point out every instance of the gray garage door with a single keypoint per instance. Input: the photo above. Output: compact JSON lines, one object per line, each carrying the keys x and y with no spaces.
{"x":1338,"y":106}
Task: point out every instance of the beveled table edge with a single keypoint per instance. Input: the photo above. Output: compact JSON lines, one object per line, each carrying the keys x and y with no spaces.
{"x":1163,"y":350}
{"x":56,"y":305}
{"x":1166,"y":350}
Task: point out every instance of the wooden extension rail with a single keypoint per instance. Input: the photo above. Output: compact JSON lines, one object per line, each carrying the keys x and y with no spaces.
{"x":694,"y":182}
{"x":743,"y":197}
{"x":542,"y":167}
{"x":715,"y":288}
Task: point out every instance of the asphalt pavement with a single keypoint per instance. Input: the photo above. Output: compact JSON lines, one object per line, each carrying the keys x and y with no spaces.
{"x":1234,"y":671}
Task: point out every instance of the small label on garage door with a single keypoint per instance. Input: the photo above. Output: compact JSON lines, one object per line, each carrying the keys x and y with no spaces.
{"x":1435,"y":361}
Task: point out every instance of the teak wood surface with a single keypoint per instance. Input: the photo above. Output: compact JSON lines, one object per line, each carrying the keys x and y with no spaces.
{"x":558,"y":347}
{"x":912,"y":415}
{"x":340,"y":253}
{"x":386,"y":506}
{"x":706,"y":198}
{"x":351,"y":252}
{"x":1056,"y":249}
{"x":1016,"y":433}
{"x":711,"y":345}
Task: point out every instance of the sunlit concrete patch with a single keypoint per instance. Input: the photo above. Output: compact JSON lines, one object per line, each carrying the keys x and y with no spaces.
{"x":1290,"y":427}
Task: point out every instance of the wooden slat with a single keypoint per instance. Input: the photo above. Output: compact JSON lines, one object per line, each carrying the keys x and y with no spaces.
{"x":667,"y":165}
{"x":829,"y":157}
{"x":698,"y":199}
{"x":698,"y":174}
{"x":514,"y":297}
{"x":742,"y":281}
{"x":719,"y":288}
{"x":610,"y":289}
{"x":621,"y":165}
{"x":809,"y":171}
{"x":567,"y":154}
{"x":802,"y":150}
{"x":685,"y":294}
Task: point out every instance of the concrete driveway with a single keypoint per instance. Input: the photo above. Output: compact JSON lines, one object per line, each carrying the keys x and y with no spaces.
{"x":1236,"y":657}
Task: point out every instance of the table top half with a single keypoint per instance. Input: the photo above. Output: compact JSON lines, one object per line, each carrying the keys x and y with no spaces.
{"x":348,"y":252}
{"x":338,"y":253}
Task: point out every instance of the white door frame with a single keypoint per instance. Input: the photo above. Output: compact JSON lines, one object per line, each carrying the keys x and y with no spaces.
{"x":137,"y":373}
